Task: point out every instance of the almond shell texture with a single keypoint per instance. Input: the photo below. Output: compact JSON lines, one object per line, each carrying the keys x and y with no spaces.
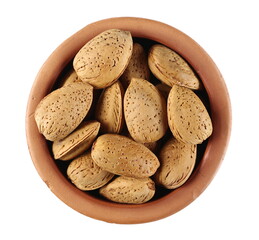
{"x":122,"y":156}
{"x":61,"y":111}
{"x":77,"y":142}
{"x":109,"y":109}
{"x":129,"y":190}
{"x":68,"y":78}
{"x":145,"y":111}
{"x":102,"y":60}
{"x":86,"y":175}
{"x":188,"y":118}
{"x":177,"y":162}
{"x":171,"y":68}
{"x":137,"y":67}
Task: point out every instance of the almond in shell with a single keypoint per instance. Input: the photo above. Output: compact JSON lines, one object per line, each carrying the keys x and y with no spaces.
{"x":188,"y":118}
{"x":77,"y":142}
{"x":152,"y":146}
{"x":145,"y":111}
{"x":129,"y":190}
{"x":68,"y":78}
{"x":171,"y":68}
{"x":109,"y":111}
{"x":102,"y":60}
{"x":177,"y":162}
{"x":86,"y":175}
{"x":61,"y":111}
{"x":122,"y":156}
{"x":137,"y":67}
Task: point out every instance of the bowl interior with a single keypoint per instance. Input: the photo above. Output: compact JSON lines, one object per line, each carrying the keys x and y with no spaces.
{"x":210,"y":153}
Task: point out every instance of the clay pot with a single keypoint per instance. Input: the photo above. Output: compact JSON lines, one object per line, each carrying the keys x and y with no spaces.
{"x":168,"y":202}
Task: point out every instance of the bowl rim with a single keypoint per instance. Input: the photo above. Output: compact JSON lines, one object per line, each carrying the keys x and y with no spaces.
{"x":213,"y":155}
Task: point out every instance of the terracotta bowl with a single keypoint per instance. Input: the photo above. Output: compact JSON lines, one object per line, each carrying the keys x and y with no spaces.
{"x":211,"y":155}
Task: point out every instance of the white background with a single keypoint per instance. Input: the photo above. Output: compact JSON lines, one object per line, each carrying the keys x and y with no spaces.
{"x":227,"y":30}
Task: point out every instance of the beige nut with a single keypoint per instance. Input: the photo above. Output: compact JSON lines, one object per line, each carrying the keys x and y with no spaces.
{"x":171,"y":68}
{"x":109,"y":109}
{"x":77,"y":142}
{"x":129,"y":190}
{"x":145,"y":111}
{"x":137,"y":67}
{"x":102,"y":60}
{"x":177,"y":162}
{"x":61,"y":111}
{"x":188,"y":118}
{"x":152,"y":146}
{"x":68,"y":78}
{"x":86,"y":175}
{"x":122,"y":156}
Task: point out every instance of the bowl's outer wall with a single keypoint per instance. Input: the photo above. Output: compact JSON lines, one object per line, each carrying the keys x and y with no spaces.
{"x":214,"y":153}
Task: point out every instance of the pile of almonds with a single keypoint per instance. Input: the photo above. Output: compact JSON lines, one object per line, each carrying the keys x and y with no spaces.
{"x":118,"y":147}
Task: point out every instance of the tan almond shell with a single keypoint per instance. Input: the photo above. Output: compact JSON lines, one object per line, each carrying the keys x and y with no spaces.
{"x":137,"y":67}
{"x":86,"y":175}
{"x":77,"y":142}
{"x":188,"y":118}
{"x":69,"y":77}
{"x":61,"y":111}
{"x":177,"y":161}
{"x":152,"y":146}
{"x":122,"y":156}
{"x":109,"y":109}
{"x":129,"y":190}
{"x":163,"y":89}
{"x":102,"y":60}
{"x":171,"y":68}
{"x":145,"y":111}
